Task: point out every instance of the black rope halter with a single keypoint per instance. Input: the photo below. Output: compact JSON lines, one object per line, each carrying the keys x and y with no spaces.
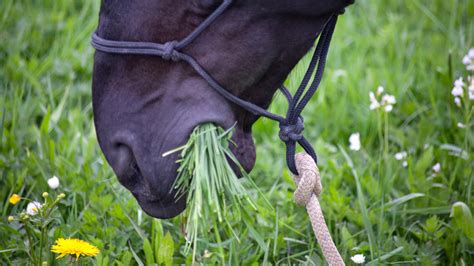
{"x":291,"y":126}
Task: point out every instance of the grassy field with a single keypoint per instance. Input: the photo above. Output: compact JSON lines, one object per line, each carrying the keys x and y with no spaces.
{"x":390,"y":211}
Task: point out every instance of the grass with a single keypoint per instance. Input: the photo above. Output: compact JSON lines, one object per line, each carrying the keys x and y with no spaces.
{"x":215,"y":196}
{"x":374,"y":205}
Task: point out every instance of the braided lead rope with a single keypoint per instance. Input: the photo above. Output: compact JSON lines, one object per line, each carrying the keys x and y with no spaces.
{"x":306,"y":194}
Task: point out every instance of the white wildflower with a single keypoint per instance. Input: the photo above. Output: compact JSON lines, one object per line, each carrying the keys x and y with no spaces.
{"x":466,"y":60}
{"x":457,"y":101}
{"x":388,"y":99}
{"x":358,"y":259}
{"x":461,"y":125}
{"x":380,"y":90}
{"x":459,"y":82}
{"x":471,"y":53}
{"x":354,"y":141}
{"x":33,"y":207}
{"x":53,"y":182}
{"x":458,"y":88}
{"x":372,"y":97}
{"x":374,"y":104}
{"x":437,"y":167}
{"x":471,"y":89}
{"x":457,"y":91}
{"x":400,"y":155}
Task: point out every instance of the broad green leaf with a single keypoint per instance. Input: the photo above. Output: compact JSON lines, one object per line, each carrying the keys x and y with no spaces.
{"x":166,"y":250}
{"x":157,"y":233}
{"x":44,"y":127}
{"x":386,"y":256}
{"x":462,"y":218}
{"x":403,"y":199}
{"x":148,"y":252}
{"x":424,"y":162}
{"x":455,"y":151}
{"x":126,"y":258}
{"x":51,"y":150}
{"x":347,"y":238}
{"x":105,"y":261}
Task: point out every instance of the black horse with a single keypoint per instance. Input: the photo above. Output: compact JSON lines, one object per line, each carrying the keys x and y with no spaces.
{"x":145,"y":106}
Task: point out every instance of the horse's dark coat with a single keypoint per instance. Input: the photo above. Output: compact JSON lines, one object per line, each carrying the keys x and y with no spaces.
{"x":145,"y":106}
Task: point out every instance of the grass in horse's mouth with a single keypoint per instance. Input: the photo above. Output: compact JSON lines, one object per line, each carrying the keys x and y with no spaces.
{"x":214,"y":193}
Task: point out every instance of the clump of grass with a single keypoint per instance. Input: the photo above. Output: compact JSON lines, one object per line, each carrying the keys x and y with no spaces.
{"x":214,"y":193}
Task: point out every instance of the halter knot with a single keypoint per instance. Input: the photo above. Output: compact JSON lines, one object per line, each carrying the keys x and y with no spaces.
{"x":291,"y":131}
{"x":308,"y":181}
{"x":169,"y":51}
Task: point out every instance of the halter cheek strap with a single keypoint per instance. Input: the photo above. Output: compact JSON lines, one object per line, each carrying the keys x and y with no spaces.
{"x":291,"y":126}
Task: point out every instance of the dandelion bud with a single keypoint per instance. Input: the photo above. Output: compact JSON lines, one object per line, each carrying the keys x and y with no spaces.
{"x":45,"y":194}
{"x":61,"y":196}
{"x":45,"y":263}
{"x":24,"y":216}
{"x":11,"y":219}
{"x":14,"y":199}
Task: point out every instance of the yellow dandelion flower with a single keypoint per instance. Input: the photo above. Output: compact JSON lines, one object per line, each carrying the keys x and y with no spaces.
{"x":14,"y":199}
{"x":74,"y":246}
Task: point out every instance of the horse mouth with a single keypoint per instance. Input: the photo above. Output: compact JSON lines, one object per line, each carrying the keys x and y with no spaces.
{"x":168,"y":205}
{"x":163,"y":209}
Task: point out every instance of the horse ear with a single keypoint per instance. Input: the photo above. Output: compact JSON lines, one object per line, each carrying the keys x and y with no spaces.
{"x":208,"y":4}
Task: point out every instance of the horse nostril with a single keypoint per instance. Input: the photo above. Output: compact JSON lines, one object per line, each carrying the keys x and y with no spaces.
{"x":128,"y":172}
{"x":124,"y":165}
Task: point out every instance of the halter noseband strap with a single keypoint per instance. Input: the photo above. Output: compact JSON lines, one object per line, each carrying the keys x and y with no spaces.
{"x":291,"y":126}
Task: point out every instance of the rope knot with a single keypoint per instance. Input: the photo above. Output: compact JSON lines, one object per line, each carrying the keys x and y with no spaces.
{"x":308,"y":189}
{"x":308,"y":181}
{"x":291,"y":131}
{"x":169,"y":51}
